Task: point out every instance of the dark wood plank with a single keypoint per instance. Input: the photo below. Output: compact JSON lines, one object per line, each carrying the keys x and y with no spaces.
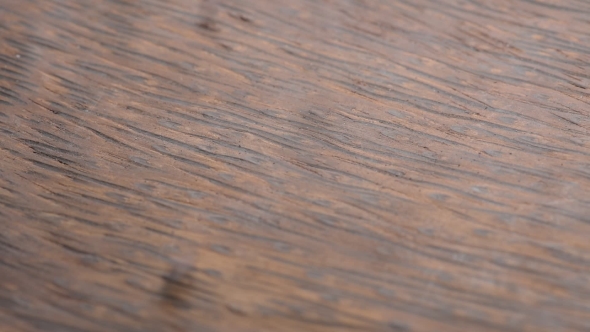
{"x":294,"y":165}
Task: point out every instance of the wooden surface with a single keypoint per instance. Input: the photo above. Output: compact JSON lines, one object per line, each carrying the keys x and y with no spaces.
{"x":294,"y":165}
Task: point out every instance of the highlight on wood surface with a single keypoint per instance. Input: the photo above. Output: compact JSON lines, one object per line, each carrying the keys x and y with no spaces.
{"x":294,"y":165}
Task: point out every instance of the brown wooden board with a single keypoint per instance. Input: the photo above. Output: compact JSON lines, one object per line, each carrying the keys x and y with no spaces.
{"x":294,"y":165}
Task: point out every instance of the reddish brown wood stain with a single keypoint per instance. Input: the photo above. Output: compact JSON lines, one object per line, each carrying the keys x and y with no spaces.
{"x":294,"y":165}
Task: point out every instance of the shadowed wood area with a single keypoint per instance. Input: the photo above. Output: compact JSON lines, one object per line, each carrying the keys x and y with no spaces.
{"x":294,"y":165}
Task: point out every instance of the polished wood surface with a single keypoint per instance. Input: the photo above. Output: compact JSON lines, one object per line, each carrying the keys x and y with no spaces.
{"x":294,"y":165}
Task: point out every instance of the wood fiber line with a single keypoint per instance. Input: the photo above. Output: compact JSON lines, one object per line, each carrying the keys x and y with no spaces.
{"x":219,"y":165}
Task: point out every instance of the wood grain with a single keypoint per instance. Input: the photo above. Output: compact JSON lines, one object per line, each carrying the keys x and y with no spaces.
{"x":294,"y":165}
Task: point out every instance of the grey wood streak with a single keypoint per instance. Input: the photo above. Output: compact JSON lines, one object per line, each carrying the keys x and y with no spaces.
{"x":294,"y":165}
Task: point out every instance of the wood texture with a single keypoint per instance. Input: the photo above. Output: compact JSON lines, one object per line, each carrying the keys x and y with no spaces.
{"x":294,"y":165}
